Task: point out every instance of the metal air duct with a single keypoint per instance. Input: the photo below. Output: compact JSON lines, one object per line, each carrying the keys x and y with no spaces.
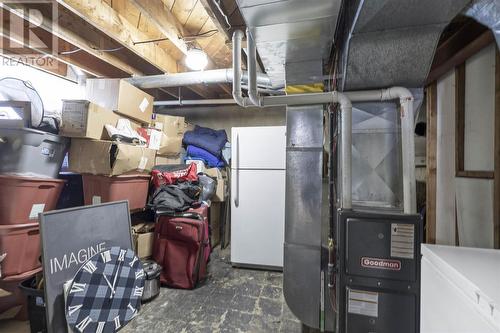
{"x":392,"y":42}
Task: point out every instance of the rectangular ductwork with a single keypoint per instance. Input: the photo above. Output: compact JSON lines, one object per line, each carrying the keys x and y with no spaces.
{"x":392,"y":42}
{"x":290,"y":31}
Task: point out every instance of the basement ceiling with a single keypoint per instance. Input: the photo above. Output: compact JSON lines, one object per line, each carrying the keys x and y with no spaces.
{"x":290,"y":31}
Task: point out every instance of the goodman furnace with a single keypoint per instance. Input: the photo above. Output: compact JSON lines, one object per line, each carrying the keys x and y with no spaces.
{"x":378,"y":272}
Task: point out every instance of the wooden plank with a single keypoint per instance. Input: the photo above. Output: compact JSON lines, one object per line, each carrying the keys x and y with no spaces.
{"x":459,"y":118}
{"x":475,"y":174}
{"x":496,"y":196}
{"x":182,"y":9}
{"x":151,"y":9}
{"x":431,"y":152}
{"x":107,"y":20}
{"x":164,"y":20}
{"x":217,"y":18}
{"x":466,"y":34}
{"x":74,"y":39}
{"x":24,"y":54}
{"x":196,"y":19}
{"x":468,"y":51}
{"x":169,"y":4}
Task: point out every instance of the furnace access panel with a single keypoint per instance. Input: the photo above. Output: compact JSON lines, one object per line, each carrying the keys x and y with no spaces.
{"x":378,"y":272}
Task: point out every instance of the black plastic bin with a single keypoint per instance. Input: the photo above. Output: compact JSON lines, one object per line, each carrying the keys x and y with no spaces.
{"x":72,"y":193}
{"x":36,"y":305}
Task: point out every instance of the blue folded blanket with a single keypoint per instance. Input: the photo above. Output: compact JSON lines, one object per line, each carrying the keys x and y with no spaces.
{"x":196,"y":153}
{"x":211,"y":140}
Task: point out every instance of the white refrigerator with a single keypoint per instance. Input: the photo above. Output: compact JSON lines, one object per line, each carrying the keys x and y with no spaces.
{"x":258,"y":196}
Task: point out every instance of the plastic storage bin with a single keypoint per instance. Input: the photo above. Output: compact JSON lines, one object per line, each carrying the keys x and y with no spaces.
{"x":20,"y":244}
{"x":22,"y":198}
{"x":100,"y":189}
{"x":72,"y":193}
{"x":13,"y":303}
{"x":25,"y":151}
{"x":36,"y":305}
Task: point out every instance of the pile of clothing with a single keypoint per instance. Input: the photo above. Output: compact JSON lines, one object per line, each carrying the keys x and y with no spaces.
{"x":207,"y":145}
{"x":176,"y":188}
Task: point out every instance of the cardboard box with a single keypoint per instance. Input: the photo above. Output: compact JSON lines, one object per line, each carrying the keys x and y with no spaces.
{"x":143,"y":237}
{"x":170,"y":145}
{"x":109,"y":158}
{"x":215,"y":222}
{"x":120,"y":96}
{"x":220,"y":192}
{"x":170,"y":125}
{"x":165,"y":160}
{"x":83,"y":119}
{"x":173,"y":129}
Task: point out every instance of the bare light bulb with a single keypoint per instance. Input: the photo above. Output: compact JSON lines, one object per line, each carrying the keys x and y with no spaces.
{"x":196,"y":59}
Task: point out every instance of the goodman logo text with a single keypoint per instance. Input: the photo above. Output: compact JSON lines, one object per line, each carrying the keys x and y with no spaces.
{"x":378,"y":263}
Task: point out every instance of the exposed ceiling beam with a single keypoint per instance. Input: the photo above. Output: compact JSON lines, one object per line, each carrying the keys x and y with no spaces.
{"x":168,"y":25}
{"x":72,"y":38}
{"x":161,"y":18}
{"x":114,"y":24}
{"x":21,"y":53}
{"x":217,"y":17}
{"x":106,"y":19}
{"x":164,"y":20}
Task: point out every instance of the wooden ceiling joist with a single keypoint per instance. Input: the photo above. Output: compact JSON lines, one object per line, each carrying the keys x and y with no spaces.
{"x":164,"y":20}
{"x":116,"y":23}
{"x":187,"y":23}
{"x":106,"y":19}
{"x":75,"y":40}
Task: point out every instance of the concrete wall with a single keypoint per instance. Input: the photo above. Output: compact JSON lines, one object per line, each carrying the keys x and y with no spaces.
{"x":466,"y":202}
{"x":226,"y":117}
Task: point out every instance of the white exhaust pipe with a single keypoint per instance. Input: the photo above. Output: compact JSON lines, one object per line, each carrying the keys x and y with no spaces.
{"x":344,"y":99}
{"x":298,"y":99}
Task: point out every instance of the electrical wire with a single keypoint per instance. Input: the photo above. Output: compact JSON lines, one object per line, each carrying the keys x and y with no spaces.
{"x":93,"y":48}
{"x":206,"y":34}
{"x":70,"y":52}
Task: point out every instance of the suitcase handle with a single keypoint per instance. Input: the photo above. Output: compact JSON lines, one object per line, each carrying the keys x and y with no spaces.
{"x":33,"y":232}
{"x":45,"y":187}
{"x":190,"y":216}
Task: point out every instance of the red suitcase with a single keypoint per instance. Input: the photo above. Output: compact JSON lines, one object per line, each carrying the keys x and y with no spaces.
{"x":182,"y":247}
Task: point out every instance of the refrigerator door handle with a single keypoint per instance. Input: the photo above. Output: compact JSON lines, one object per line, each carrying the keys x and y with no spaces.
{"x":237,"y":180}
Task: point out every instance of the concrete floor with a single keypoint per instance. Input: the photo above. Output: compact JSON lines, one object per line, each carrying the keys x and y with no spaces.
{"x":231,"y":300}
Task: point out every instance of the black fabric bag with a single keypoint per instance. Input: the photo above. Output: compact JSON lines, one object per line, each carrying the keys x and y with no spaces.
{"x":175,"y":198}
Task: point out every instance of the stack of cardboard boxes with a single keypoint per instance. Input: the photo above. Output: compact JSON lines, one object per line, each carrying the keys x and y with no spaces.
{"x":108,"y":102}
{"x":172,"y":131}
{"x":114,"y":170}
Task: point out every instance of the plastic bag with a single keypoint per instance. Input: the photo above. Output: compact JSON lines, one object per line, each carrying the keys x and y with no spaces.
{"x":13,"y":89}
{"x":208,"y":186}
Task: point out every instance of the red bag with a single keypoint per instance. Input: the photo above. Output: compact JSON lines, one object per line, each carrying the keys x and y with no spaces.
{"x":167,"y":175}
{"x":182,"y":248}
